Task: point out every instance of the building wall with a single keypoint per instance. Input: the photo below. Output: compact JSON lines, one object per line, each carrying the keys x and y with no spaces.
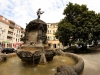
{"x":3,"y":31}
{"x":52,"y":41}
{"x":10,"y":32}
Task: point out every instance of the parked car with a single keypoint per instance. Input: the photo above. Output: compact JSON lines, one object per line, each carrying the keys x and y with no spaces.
{"x":8,"y":50}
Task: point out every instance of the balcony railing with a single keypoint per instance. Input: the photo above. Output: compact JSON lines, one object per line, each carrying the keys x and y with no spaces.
{"x":10,"y":35}
{"x":10,"y":30}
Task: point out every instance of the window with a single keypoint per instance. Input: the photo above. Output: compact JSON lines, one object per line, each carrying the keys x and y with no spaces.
{"x":54,"y":38}
{"x":58,"y":44}
{"x":48,"y":38}
{"x":16,"y":35}
{"x":48,"y":31}
{"x":54,"y":31}
{"x":16,"y":39}
{"x":17,"y":31}
{"x":48,"y":26}
{"x":51,"y":25}
{"x":49,"y":45}
{"x":12,"y":23}
{"x":0,"y":29}
{"x":3,"y":18}
{"x":56,"y":26}
{"x":6,"y":20}
{"x":54,"y":45}
{"x":21,"y":35}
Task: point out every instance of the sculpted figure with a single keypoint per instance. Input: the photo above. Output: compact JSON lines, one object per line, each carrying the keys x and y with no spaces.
{"x":39,"y":12}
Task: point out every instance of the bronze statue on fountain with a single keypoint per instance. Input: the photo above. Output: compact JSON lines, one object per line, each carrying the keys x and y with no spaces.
{"x":35,"y":41}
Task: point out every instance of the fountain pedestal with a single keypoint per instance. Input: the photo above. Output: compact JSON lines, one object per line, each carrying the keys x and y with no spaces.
{"x":33,"y":49}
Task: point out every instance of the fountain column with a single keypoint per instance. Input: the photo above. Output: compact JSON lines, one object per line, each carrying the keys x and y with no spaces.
{"x":43,"y":58}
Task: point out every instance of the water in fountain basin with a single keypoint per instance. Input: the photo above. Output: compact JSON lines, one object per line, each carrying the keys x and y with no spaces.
{"x":14,"y":66}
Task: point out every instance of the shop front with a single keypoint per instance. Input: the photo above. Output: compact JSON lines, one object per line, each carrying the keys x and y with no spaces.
{"x":17,"y":45}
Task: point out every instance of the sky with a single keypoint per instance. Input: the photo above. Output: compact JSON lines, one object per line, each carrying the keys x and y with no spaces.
{"x":24,"y":11}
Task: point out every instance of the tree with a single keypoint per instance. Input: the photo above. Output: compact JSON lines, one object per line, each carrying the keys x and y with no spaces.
{"x":79,"y":23}
{"x":64,"y":32}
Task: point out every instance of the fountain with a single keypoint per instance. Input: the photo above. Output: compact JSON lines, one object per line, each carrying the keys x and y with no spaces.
{"x":35,"y":52}
{"x":35,"y":41}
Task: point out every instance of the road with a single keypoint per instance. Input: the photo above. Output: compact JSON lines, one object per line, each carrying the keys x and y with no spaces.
{"x":92,"y":62}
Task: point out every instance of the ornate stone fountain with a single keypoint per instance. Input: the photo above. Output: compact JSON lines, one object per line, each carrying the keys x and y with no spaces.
{"x":35,"y":41}
{"x":34,"y":49}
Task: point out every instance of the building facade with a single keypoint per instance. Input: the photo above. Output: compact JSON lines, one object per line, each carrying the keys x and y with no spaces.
{"x":10,"y":33}
{"x":53,"y":43}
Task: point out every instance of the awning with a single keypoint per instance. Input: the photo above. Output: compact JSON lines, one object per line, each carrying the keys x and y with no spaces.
{"x":6,"y":41}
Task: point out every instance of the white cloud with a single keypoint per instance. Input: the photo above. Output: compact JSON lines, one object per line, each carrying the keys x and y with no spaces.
{"x":91,"y":4}
{"x":23,"y":11}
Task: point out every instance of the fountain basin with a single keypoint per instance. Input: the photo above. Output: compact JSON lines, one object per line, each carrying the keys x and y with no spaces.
{"x":71,"y":70}
{"x":14,"y":66}
{"x":34,"y":57}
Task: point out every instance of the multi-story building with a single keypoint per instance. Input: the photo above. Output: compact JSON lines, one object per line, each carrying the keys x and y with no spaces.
{"x":52,"y":41}
{"x":10,"y":33}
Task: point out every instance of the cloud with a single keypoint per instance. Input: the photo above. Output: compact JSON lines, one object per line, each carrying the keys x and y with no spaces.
{"x":23,"y":11}
{"x":91,"y":4}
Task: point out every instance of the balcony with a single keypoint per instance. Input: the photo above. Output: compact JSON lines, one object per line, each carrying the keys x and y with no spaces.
{"x":11,"y":30}
{"x":10,"y":35}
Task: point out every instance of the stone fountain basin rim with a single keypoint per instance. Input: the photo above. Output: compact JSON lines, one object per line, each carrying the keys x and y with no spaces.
{"x":78,"y":67}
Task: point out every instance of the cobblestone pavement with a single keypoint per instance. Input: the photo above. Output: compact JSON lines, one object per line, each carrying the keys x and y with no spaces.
{"x":92,"y":62}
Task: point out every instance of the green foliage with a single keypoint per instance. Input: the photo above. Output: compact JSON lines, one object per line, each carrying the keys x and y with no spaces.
{"x":78,"y":23}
